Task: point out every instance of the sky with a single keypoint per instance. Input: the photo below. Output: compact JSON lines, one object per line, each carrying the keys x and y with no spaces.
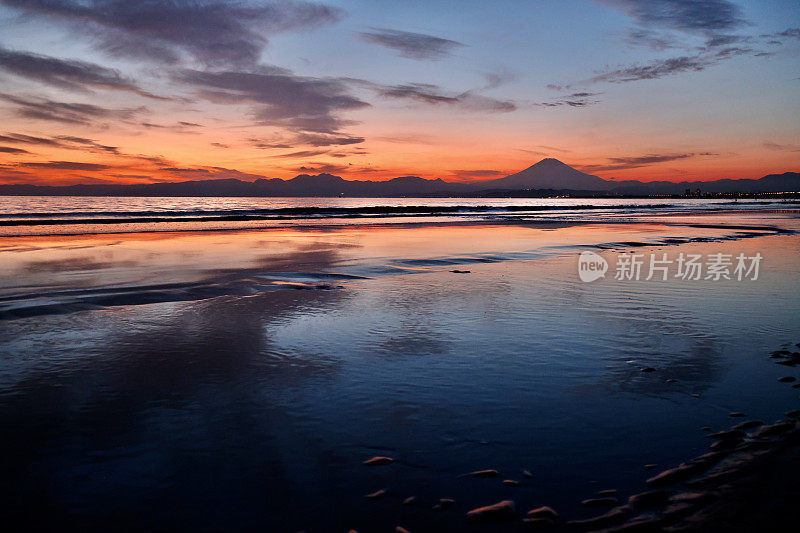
{"x":120,"y":91}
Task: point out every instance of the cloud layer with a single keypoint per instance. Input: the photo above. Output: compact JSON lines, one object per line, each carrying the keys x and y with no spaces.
{"x":213,"y":32}
{"x":417,"y":46}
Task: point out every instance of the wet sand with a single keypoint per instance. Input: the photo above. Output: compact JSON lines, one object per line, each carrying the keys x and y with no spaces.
{"x":240,"y":379}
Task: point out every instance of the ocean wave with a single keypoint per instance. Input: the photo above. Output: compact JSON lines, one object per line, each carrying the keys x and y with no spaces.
{"x":200,"y":215}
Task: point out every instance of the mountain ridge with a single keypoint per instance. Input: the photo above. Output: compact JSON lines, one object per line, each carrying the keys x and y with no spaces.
{"x":547,"y":176}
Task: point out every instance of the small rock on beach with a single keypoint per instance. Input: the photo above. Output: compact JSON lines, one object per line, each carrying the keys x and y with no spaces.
{"x":485,"y":473}
{"x":543,"y":512}
{"x":537,"y":524}
{"x":600,"y":502}
{"x":379,"y":460}
{"x":499,"y":512}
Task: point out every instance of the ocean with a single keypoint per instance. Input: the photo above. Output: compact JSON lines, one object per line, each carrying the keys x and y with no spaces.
{"x":233,"y":374}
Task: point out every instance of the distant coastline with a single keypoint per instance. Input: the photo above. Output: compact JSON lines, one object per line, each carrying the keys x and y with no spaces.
{"x":547,"y":178}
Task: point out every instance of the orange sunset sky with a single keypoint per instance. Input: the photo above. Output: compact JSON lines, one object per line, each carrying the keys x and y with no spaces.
{"x":133,"y":92}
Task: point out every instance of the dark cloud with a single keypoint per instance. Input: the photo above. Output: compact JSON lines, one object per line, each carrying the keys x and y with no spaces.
{"x":267,"y":145}
{"x":301,"y":153}
{"x":12,"y":150}
{"x":725,"y":40}
{"x":655,"y":69}
{"x":27,"y":139}
{"x":282,"y":98}
{"x":715,"y":51}
{"x":306,"y":139}
{"x":781,"y":147}
{"x":412,"y":45}
{"x":477,"y":173}
{"x":621,"y":163}
{"x":733,"y":51}
{"x":654,"y":40}
{"x":210,"y":173}
{"x":322,"y":168}
{"x":67,"y":165}
{"x":180,"y":127}
{"x":500,"y":77}
{"x":553,"y":148}
{"x":220,"y":145}
{"x":707,"y":16}
{"x":81,"y":143}
{"x":214,"y":32}
{"x":578,"y":99}
{"x":791,"y":32}
{"x":648,"y":159}
{"x":420,"y":138}
{"x":421,"y":92}
{"x":65,"y":112}
{"x":67,"y":74}
{"x":431,"y":94}
{"x":318,"y":139}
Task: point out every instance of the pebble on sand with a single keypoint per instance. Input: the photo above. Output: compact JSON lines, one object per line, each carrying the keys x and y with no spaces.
{"x":648,"y":369}
{"x":409,"y":500}
{"x":750,"y":424}
{"x":728,"y":435}
{"x":543,"y":512}
{"x":498,"y":512}
{"x":787,"y":379}
{"x":606,"y":493}
{"x":773,"y":429}
{"x":461,"y":271}
{"x":694,"y":497}
{"x":527,"y":474}
{"x":706,"y":428}
{"x":538,"y":523}
{"x":613,"y":517}
{"x":376,"y":461}
{"x":673,"y":475}
{"x":485,"y":473}
{"x":651,"y":498}
{"x":671,"y":380}
{"x":737,"y":414}
{"x":650,"y":466}
{"x":400,"y":529}
{"x":511,"y":483}
{"x":376,"y":495}
{"x":600,"y":502}
{"x":726,"y":444}
{"x":443,"y":504}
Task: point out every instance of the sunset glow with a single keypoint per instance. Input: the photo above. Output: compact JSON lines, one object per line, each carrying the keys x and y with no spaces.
{"x":111,"y":91}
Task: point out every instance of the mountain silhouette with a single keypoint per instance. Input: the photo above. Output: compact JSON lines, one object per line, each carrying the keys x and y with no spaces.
{"x":548,"y":177}
{"x":550,"y":174}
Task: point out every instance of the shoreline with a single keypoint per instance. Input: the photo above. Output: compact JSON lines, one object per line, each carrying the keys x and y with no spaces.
{"x":465,"y":220}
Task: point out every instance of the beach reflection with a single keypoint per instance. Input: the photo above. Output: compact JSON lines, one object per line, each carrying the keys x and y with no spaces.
{"x":247,"y":394}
